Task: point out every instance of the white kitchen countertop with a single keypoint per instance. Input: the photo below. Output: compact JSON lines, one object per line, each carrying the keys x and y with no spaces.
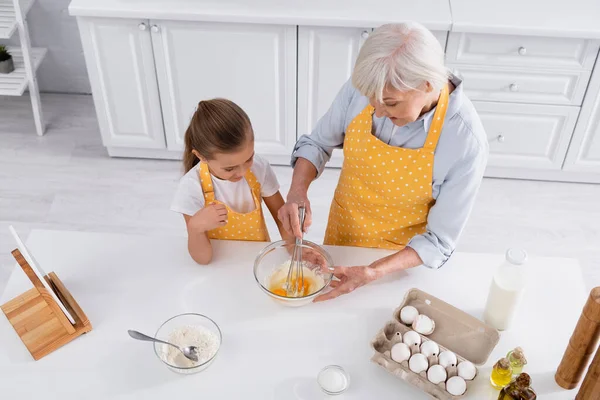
{"x":435,"y":14}
{"x":136,"y":282}
{"x":563,"y":18}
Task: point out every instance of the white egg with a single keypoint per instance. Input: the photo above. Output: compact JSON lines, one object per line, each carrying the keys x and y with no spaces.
{"x":400,"y":352}
{"x":408,"y":314}
{"x":467,"y":370}
{"x":418,"y":363}
{"x":424,"y":325}
{"x":411,"y":338}
{"x":436,"y":374}
{"x":447,"y":359}
{"x":456,"y":386}
{"x":430,"y":348}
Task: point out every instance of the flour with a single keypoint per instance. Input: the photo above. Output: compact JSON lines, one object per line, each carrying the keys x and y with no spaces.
{"x":206,"y":341}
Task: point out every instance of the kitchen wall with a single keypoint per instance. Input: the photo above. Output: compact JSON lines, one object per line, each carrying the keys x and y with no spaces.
{"x":50,"y":26}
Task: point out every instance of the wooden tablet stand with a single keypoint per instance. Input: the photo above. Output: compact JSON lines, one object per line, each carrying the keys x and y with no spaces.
{"x":38,"y":319}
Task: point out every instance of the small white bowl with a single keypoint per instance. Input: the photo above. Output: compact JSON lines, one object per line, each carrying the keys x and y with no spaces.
{"x":178,"y":321}
{"x":335,"y":369}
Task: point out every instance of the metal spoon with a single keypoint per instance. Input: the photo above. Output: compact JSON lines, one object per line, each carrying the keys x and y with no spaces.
{"x":190,"y":352}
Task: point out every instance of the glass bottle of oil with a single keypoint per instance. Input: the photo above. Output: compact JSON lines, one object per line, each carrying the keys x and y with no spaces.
{"x":501,"y":373}
{"x":519,"y":389}
{"x":517,"y":360}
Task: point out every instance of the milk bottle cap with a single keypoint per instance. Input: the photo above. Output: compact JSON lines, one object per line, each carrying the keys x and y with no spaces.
{"x":516,"y":256}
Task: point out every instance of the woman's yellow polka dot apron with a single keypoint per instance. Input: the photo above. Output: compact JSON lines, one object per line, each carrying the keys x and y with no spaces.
{"x":385,"y":192}
{"x":240,"y":226}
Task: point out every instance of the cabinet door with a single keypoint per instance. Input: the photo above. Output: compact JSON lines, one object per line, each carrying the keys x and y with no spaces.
{"x":584,"y":151}
{"x":120,"y":63}
{"x":326,"y":58}
{"x":250,"y":64}
{"x":526,"y":135}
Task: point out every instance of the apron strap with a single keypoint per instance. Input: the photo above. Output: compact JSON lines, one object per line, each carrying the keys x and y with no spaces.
{"x":206,"y":183}
{"x":435,"y":130}
{"x":253,"y":183}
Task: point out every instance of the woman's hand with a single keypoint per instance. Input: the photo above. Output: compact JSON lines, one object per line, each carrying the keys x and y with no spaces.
{"x":350,"y":279}
{"x":288,"y":214}
{"x":210,"y":217}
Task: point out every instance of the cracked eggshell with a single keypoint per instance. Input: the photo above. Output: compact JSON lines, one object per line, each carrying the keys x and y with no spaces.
{"x":447,"y":359}
{"x":400,"y":352}
{"x":436,"y":374}
{"x":467,"y":370}
{"x":418,"y":363}
{"x":424,"y":325}
{"x":411,"y":338}
{"x":408,"y":315}
{"x":430,"y":348}
{"x":456,"y":386}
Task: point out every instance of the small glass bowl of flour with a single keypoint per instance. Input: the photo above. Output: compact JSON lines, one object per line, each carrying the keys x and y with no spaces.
{"x":188,"y":330}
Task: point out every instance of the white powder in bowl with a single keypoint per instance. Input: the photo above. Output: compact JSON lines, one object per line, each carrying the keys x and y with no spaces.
{"x":206,"y":341}
{"x":333,"y":379}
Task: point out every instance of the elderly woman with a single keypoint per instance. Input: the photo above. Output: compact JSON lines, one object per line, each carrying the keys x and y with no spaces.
{"x":414,"y":155}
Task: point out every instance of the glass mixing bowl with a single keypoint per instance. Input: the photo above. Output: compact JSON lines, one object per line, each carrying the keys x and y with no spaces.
{"x":179,"y":321}
{"x":277,"y":254}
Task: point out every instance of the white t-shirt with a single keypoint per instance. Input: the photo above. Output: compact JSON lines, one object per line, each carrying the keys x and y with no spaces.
{"x":189,"y":197}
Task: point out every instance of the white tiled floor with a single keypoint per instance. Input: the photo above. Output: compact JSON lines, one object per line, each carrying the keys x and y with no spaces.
{"x":65,"y":180}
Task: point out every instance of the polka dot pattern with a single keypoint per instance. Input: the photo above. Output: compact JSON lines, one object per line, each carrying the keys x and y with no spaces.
{"x":240,"y":226}
{"x":384,"y":194}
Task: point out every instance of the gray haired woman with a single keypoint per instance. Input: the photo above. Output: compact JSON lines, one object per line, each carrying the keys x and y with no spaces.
{"x":414,"y":156}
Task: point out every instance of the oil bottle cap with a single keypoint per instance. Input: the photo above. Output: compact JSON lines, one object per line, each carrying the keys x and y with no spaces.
{"x":516,"y":256}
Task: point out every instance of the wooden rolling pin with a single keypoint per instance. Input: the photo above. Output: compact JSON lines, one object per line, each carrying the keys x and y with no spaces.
{"x":590,"y":388}
{"x":582,"y":345}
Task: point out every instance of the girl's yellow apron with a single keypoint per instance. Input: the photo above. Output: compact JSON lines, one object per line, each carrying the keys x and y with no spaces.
{"x":249,"y":226}
{"x":385,"y":192}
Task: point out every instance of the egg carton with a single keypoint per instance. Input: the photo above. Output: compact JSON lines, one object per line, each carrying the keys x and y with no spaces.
{"x":456,"y":331}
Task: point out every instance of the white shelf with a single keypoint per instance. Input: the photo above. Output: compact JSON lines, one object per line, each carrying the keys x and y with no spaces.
{"x":15,"y":83}
{"x":8,"y":21}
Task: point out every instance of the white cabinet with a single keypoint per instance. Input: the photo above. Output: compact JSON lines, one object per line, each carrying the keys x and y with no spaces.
{"x":527,"y":136}
{"x":525,"y":51}
{"x":584,"y":151}
{"x":250,"y":64}
{"x":326,"y":57}
{"x":120,"y":63}
{"x":149,"y":74}
{"x":523,"y":85}
{"x":528,"y":91}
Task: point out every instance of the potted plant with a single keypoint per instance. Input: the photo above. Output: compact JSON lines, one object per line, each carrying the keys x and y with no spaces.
{"x":6,"y":61}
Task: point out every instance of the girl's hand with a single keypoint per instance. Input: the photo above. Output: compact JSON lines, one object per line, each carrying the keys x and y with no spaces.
{"x":210,"y":217}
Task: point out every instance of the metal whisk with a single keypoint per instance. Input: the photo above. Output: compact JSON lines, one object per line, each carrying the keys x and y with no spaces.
{"x":295,"y":277}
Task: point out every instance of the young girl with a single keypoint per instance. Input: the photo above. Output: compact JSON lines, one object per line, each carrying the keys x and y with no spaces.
{"x":221,"y":194}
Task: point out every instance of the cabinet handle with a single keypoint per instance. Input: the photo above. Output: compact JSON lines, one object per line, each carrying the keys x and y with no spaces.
{"x":500,"y":138}
{"x":522,"y":51}
{"x":142,"y":26}
{"x":514,"y":87}
{"x":155,"y":29}
{"x":365,"y":35}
